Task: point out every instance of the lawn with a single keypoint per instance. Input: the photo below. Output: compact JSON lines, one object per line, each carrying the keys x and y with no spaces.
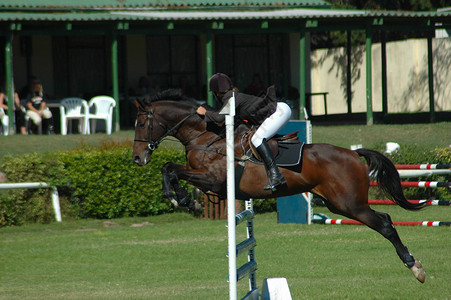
{"x":177,"y":256}
{"x":425,"y":135}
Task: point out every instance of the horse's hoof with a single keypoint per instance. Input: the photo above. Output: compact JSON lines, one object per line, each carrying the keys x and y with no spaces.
{"x":418,"y":271}
{"x":174,"y":201}
{"x":196,"y":208}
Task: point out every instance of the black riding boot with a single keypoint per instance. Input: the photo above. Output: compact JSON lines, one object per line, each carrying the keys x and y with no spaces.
{"x":275,"y":177}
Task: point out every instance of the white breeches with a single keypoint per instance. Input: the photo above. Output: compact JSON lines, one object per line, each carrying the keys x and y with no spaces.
{"x":272,"y":124}
{"x":46,"y":114}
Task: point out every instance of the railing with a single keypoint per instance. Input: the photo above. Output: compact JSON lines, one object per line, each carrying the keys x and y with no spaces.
{"x":37,"y":185}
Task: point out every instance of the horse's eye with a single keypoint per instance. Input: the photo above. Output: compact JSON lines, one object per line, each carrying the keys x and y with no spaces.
{"x":142,"y":125}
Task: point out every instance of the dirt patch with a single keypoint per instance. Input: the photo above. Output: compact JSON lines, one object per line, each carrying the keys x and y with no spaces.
{"x":141,"y":224}
{"x":110,"y":224}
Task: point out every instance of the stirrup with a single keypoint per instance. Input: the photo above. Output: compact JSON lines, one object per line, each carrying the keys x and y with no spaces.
{"x":272,"y":186}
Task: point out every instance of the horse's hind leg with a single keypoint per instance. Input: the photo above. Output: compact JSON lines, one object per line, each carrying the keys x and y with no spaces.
{"x":382,"y":223}
{"x":343,"y":183}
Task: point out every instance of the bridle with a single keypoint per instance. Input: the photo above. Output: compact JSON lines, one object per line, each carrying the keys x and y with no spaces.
{"x":150,"y":114}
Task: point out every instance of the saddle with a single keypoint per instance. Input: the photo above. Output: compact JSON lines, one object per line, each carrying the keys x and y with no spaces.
{"x":286,"y":149}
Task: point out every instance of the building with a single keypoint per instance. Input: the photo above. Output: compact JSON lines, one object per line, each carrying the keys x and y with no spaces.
{"x":93,"y":47}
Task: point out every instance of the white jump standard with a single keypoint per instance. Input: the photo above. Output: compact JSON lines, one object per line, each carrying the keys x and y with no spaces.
{"x":273,"y":289}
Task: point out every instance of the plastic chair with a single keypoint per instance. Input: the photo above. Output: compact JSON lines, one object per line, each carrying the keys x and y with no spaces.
{"x":74,"y":109}
{"x":103,"y":110}
{"x":5,"y":123}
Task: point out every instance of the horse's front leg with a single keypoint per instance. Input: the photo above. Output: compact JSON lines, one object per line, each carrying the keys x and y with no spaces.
{"x":201,"y":178}
{"x":172,"y":189}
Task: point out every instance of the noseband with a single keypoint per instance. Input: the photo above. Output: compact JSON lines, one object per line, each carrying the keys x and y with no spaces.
{"x":154,"y":144}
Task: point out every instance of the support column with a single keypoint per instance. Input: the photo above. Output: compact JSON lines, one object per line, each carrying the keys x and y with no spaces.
{"x":302,"y":71}
{"x":349,"y":70}
{"x":384,"y":76}
{"x":9,"y":80}
{"x":369,"y":90}
{"x":431,"y":80}
{"x":115,"y":79}
{"x":209,"y":66}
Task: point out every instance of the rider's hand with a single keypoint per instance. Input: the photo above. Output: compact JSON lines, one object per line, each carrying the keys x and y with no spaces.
{"x":201,"y":110}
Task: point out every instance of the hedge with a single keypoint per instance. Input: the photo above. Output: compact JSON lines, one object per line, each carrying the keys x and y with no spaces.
{"x":412,"y":154}
{"x":103,"y":182}
{"x":91,"y":182}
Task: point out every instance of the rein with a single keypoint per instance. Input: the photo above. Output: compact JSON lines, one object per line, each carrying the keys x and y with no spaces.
{"x":208,"y":149}
{"x":154,"y":144}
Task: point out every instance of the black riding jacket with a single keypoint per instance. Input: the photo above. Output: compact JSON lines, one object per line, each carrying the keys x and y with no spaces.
{"x":250,"y":109}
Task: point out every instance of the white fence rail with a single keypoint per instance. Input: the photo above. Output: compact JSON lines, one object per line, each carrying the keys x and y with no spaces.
{"x":37,"y":185}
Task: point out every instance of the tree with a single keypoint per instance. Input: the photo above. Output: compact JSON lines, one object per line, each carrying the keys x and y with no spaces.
{"x":406,"y":5}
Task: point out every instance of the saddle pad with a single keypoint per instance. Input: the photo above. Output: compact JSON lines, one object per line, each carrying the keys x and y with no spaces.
{"x":290,"y":154}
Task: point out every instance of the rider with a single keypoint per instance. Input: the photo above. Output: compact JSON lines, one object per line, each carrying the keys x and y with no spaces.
{"x":266,"y":113}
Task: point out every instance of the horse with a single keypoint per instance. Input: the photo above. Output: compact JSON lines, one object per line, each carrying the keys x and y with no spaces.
{"x":337,"y":175}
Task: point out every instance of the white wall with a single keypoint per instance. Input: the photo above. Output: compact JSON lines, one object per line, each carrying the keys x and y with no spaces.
{"x":407,"y":77}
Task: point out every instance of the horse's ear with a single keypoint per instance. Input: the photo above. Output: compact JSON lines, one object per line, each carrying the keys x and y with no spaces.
{"x":139,"y":103}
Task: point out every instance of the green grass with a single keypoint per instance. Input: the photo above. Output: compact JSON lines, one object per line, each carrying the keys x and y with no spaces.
{"x":22,"y":144}
{"x":427,"y":135}
{"x":178,"y":257}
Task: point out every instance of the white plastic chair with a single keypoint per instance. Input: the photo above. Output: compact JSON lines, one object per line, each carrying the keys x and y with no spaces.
{"x":5,"y":123}
{"x":103,"y":110}
{"x":74,"y":109}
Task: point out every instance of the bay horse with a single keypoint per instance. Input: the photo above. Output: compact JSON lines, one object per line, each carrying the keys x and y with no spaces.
{"x":335,"y":174}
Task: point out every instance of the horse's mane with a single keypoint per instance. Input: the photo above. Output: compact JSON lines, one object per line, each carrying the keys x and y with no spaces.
{"x":172,"y":95}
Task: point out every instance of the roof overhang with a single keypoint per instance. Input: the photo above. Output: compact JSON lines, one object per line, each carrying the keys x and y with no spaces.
{"x":200,"y":15}
{"x":281,"y":20}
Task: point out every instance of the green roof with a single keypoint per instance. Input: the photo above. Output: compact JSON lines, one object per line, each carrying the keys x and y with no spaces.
{"x":191,"y":10}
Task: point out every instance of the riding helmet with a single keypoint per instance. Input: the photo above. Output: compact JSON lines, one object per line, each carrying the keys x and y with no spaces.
{"x":220,"y":83}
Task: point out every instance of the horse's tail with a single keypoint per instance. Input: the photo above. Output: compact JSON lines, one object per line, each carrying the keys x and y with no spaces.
{"x":388,"y":178}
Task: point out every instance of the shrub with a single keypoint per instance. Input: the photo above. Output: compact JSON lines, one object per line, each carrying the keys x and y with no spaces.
{"x":103,"y":182}
{"x":27,"y":205}
{"x":409,"y":154}
{"x":100,"y":182}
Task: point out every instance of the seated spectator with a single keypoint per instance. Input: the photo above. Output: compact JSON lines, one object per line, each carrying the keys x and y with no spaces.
{"x":19,"y":110}
{"x":37,"y":107}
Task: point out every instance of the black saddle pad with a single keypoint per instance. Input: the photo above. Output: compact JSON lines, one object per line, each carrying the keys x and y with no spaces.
{"x":290,"y":154}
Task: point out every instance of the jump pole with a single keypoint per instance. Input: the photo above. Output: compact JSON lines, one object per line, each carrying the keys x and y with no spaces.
{"x":421,"y":184}
{"x":424,"y":166}
{"x":432,"y":202}
{"x":407,"y":173}
{"x":229,"y":111}
{"x":400,"y":223}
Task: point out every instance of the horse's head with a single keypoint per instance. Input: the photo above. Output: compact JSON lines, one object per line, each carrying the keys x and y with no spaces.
{"x":155,"y":121}
{"x":148,"y":133}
